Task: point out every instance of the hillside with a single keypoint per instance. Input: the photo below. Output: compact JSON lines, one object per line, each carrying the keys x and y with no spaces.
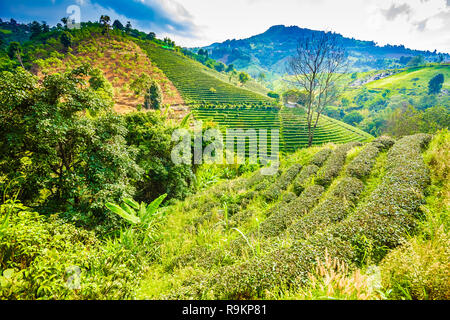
{"x":291,"y":123}
{"x":268,"y":236}
{"x":413,"y":78}
{"x":124,"y":60}
{"x":185,"y":83}
{"x":121,"y":62}
{"x":369,"y":100}
{"x":371,"y":104}
{"x":111,"y":190}
{"x":269,"y":51}
{"x":197,"y":83}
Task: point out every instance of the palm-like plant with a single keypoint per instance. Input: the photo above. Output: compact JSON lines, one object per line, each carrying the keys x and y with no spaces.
{"x":135,"y":213}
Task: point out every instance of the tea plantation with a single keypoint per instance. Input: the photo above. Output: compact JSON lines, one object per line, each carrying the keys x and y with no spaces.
{"x":303,"y":232}
{"x":290,"y":121}
{"x":195,"y":82}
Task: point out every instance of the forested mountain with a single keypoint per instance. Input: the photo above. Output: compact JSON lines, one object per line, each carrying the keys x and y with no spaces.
{"x":268,"y":52}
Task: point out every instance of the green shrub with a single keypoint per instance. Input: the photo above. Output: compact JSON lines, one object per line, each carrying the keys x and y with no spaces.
{"x":321,"y":156}
{"x":304,"y":177}
{"x":419,"y":269}
{"x":361,"y":166}
{"x":334,"y":164}
{"x":282,"y":182}
{"x":283,"y":215}
{"x":38,"y":255}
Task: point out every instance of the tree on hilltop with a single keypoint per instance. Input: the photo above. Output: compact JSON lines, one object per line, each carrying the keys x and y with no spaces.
{"x":66,"y":39}
{"x":36,"y":29}
{"x":118,"y":25}
{"x":261,"y":77}
{"x":230,"y":68}
{"x":243,"y":77}
{"x":416,"y":61}
{"x":151,"y":36}
{"x":105,"y":20}
{"x":128,"y":27}
{"x":64,"y":21}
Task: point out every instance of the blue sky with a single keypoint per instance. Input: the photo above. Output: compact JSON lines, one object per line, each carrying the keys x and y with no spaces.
{"x":418,"y":24}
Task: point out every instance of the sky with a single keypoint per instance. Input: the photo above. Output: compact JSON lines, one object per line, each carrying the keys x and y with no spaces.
{"x":417,"y":24}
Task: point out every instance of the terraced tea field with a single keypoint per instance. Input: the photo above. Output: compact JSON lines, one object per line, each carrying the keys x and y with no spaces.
{"x":195,"y":82}
{"x":290,"y":121}
{"x":352,"y":202}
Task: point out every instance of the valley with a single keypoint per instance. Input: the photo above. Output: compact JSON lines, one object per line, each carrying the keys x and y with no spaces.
{"x":107,"y":194}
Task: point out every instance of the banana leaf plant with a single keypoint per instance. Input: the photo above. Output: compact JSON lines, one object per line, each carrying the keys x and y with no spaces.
{"x":135,"y":213}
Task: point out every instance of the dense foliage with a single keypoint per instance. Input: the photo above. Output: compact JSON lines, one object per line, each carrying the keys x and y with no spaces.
{"x":92,"y":206}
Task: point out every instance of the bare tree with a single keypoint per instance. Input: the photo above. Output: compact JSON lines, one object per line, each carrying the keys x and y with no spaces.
{"x":319,"y":62}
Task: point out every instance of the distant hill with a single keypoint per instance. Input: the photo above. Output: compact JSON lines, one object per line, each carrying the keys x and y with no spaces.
{"x":269,"y":51}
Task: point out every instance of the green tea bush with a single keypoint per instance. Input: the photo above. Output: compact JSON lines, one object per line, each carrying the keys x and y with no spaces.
{"x":320,"y":157}
{"x":304,"y":177}
{"x":241,"y":217}
{"x":283,"y":215}
{"x":364,"y":161}
{"x":200,"y":256}
{"x":291,"y":266}
{"x":390,"y":213}
{"x":263,"y":185}
{"x":285,"y":198}
{"x":282,"y":182}
{"x":334,"y":164}
{"x":255,"y":179}
{"x":332,"y":210}
{"x":383,"y":222}
{"x":386,"y":141}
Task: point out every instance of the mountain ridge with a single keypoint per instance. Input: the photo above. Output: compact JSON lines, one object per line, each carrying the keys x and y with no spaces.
{"x":268,"y":51}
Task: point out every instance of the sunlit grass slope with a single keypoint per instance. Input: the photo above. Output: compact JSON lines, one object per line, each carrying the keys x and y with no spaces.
{"x":413,"y":78}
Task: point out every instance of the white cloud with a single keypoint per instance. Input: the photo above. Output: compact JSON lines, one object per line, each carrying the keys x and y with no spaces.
{"x":434,"y":23}
{"x":418,"y":24}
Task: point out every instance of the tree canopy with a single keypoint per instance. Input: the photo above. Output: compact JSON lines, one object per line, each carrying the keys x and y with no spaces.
{"x":61,"y":138}
{"x":435,"y":84}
